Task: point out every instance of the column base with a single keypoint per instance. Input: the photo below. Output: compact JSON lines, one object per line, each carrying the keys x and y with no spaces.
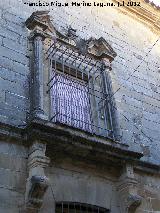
{"x":38,"y":114}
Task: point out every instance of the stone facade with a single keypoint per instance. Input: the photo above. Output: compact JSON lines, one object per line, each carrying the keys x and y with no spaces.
{"x":42,"y":163}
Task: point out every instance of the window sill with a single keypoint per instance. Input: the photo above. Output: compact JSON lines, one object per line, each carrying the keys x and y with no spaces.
{"x":66,"y":137}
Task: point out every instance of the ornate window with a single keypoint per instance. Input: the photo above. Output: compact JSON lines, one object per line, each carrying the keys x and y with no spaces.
{"x":71,"y":207}
{"x":78,"y":87}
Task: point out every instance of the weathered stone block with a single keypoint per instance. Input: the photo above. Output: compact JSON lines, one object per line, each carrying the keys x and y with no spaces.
{"x":12,"y":112}
{"x":2,"y":96}
{"x":6,"y":63}
{"x":20,"y":68}
{"x":15,"y":199}
{"x":15,"y":46}
{"x":11,"y":76}
{"x":13,"y":163}
{"x":13,"y":149}
{"x":13,"y":18}
{"x":8,"y":209}
{"x":17,"y":100}
{"x":4,"y":32}
{"x":152,"y":116}
{"x":13,"y":180}
{"x":20,"y":88}
{"x":70,"y":182}
{"x":9,"y":53}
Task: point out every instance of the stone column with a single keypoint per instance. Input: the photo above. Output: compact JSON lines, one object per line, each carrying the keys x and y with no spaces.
{"x":37,"y":182}
{"x":127,"y":190}
{"x":106,"y":63}
{"x":40,"y":26}
{"x":37,"y":97}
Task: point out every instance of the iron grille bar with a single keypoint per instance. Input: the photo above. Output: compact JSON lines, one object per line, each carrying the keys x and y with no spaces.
{"x":90,"y":93}
{"x":58,"y":48}
{"x":76,"y":85}
{"x":70,"y":207}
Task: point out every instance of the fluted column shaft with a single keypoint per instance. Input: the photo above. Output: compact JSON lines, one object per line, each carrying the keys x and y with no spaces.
{"x":38,"y":108}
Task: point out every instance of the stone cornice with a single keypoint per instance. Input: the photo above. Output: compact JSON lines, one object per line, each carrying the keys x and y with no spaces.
{"x":146,"y":12}
{"x":63,"y":136}
{"x":19,"y":135}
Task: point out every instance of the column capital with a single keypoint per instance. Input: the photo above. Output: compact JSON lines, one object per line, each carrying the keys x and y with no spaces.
{"x":40,"y":25}
{"x":38,"y":32}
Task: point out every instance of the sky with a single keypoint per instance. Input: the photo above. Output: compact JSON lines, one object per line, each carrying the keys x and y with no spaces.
{"x":157,"y":2}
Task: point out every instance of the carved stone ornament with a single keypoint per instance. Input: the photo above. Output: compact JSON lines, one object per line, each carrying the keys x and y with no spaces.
{"x":133,"y":202}
{"x":100,"y":48}
{"x":39,"y":185}
{"x":41,"y":19}
{"x":127,"y":188}
{"x":97,"y":47}
{"x":37,"y":182}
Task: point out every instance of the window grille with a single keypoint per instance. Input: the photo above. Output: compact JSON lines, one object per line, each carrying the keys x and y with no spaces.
{"x":78,"y":91}
{"x":71,"y":207}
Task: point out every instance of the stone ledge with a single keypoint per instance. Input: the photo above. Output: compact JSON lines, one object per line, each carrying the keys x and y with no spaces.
{"x":72,"y":141}
{"x":62,"y":138}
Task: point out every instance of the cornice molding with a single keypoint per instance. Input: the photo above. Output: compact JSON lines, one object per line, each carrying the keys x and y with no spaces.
{"x":101,"y":49}
{"x":12,"y":134}
{"x":146,"y":12}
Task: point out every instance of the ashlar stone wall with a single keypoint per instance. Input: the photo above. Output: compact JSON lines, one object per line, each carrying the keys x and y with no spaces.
{"x":135,"y":69}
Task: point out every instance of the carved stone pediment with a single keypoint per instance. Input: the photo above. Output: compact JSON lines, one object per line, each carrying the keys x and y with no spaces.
{"x":101,"y":48}
{"x":98,"y":48}
{"x":41,"y":19}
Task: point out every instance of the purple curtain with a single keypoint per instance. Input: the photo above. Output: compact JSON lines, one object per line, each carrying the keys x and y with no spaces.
{"x":70,"y":102}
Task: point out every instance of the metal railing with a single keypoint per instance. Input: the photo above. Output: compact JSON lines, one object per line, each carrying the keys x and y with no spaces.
{"x":74,"y":207}
{"x":78,"y":91}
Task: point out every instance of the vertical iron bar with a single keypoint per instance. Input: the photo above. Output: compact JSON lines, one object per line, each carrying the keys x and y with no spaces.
{"x":62,"y":64}
{"x":71,"y":103}
{"x":106,"y":81}
{"x":50,"y":91}
{"x":97,"y":109}
{"x":104,"y":99}
{"x":56,"y":96}
{"x":90,"y":108}
{"x":62,"y":207}
{"x":80,"y":208}
{"x":74,"y":208}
